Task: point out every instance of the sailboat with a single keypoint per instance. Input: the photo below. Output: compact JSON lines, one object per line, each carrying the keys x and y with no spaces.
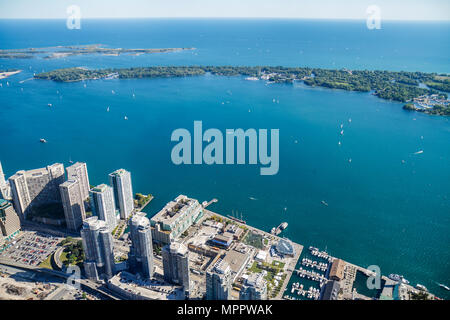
{"x":107,"y":109}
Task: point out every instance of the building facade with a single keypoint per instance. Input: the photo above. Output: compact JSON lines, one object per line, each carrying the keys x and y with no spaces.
{"x":5,"y":189}
{"x":9,"y":220}
{"x":218,"y":281}
{"x":175,"y":258}
{"x":175,"y":218}
{"x":98,"y":249}
{"x":140,"y":258}
{"x":102,"y":204}
{"x":78,"y":171}
{"x":73,"y":204}
{"x":33,"y":188}
{"x":120,"y":180}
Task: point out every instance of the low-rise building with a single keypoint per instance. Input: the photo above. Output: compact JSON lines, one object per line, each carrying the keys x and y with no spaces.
{"x":284,"y":247}
{"x":331,"y":290}
{"x":337,"y":270}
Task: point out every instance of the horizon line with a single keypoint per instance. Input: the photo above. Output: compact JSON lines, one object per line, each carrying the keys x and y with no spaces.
{"x":236,"y":18}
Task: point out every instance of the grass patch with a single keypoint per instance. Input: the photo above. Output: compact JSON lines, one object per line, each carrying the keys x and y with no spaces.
{"x":47,"y":263}
{"x":254,"y":240}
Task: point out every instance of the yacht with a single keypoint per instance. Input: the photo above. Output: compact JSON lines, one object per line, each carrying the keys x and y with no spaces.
{"x":421,"y":287}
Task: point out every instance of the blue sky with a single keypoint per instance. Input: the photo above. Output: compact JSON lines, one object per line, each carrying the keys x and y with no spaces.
{"x":315,"y":9}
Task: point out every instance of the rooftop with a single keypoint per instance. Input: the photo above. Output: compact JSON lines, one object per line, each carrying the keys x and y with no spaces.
{"x":174,"y":209}
{"x":284,"y":246}
{"x":100,"y":188}
{"x":140,"y":219}
{"x":93,"y":223}
{"x":221,"y":267}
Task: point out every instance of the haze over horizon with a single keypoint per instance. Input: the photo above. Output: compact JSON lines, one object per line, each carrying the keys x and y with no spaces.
{"x":436,"y":10}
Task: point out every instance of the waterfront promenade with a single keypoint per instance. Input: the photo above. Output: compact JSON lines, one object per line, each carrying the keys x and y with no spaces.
{"x":288,"y":268}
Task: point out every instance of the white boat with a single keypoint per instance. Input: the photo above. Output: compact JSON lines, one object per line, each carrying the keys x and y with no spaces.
{"x":324,"y":203}
{"x":125,"y":118}
{"x":421,"y":287}
{"x":43,"y":140}
{"x":418,"y":152}
{"x":49,"y":104}
{"x":107,"y":109}
{"x":342,"y":132}
{"x":444,"y":286}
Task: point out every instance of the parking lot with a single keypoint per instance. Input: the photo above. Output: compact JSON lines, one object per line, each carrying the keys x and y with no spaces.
{"x":31,"y":248}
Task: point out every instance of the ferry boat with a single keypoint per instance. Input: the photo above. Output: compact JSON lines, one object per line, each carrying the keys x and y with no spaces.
{"x":398,"y":278}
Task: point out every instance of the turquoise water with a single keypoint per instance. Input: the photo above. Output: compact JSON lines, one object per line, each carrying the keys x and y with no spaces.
{"x":381,"y":211}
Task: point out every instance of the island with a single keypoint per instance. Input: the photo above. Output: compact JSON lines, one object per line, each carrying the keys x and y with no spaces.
{"x":398,"y":86}
{"x":75,"y":50}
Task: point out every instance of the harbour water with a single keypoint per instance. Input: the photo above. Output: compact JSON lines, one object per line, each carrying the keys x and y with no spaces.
{"x":380,"y":210}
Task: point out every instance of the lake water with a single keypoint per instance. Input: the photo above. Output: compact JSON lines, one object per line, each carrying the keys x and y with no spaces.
{"x":380,"y":211}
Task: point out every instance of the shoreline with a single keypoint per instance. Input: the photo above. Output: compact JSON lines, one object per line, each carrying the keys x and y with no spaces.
{"x":387,"y":85}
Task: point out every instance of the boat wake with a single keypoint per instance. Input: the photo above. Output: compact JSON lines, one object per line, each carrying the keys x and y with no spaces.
{"x":443,"y":286}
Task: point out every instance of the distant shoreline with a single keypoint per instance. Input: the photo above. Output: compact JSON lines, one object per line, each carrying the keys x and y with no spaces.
{"x":55,"y":52}
{"x":6,"y":74}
